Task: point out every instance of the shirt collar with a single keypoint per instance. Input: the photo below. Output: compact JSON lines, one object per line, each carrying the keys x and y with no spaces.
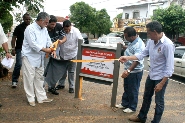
{"x":72,"y":31}
{"x":135,"y":41}
{"x":162,"y":39}
{"x":38,"y":26}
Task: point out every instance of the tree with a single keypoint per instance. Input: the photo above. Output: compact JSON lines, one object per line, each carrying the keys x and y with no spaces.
{"x":172,"y":20}
{"x":119,"y":16}
{"x":87,"y":19}
{"x":6,"y":6}
{"x":103,"y":23}
{"x":81,"y":15}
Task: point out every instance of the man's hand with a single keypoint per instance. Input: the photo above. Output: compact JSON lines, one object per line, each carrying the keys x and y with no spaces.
{"x":158,"y":87}
{"x":8,"y":55}
{"x":54,"y":54}
{"x":125,"y":74}
{"x":13,"y":52}
{"x":63,"y":40}
{"x":123,"y":59}
{"x":47,"y":50}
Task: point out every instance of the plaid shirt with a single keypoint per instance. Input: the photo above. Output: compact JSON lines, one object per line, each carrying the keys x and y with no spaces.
{"x":135,"y":47}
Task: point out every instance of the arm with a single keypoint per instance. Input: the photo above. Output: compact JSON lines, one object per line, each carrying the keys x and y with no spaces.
{"x":62,"y":34}
{"x":3,"y":41}
{"x":13,"y":44}
{"x":5,"y":47}
{"x":126,"y":73}
{"x":123,"y":59}
{"x":64,"y":39}
{"x":31,"y":39}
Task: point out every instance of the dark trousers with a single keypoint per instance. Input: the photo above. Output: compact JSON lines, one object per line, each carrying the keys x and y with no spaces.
{"x":159,"y":100}
{"x":18,"y":64}
{"x":131,"y":90}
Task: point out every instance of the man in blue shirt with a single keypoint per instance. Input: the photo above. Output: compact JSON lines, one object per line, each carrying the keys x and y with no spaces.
{"x":161,"y":50}
{"x":133,"y":72}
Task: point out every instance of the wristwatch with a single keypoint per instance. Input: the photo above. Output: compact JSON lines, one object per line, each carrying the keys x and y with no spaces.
{"x":128,"y":70}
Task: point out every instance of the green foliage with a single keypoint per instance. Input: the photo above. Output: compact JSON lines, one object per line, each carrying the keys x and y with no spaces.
{"x":6,"y":20}
{"x":103,"y":22}
{"x":7,"y":5}
{"x":87,"y":19}
{"x":171,"y":18}
{"x":81,"y":15}
{"x":119,"y":16}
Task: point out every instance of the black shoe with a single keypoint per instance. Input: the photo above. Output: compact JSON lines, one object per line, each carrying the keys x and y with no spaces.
{"x":49,"y":89}
{"x":53,"y":91}
{"x":59,"y":87}
{"x":71,"y":90}
{"x":0,"y":105}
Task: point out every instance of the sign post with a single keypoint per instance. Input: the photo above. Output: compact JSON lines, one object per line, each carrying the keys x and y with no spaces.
{"x":103,"y":71}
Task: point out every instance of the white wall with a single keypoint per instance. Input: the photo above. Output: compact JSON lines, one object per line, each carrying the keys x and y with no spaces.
{"x":146,"y":11}
{"x":151,"y":8}
{"x":142,"y":9}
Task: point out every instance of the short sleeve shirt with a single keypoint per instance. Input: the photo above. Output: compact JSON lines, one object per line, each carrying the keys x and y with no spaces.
{"x":3,"y":37}
{"x":56,"y":33}
{"x":19,"y":33}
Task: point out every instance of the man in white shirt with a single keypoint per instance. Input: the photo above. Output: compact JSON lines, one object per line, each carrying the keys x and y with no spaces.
{"x":3,"y":42}
{"x":35,"y":44}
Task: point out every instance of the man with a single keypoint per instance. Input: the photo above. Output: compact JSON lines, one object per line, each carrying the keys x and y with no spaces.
{"x":18,"y":36}
{"x":3,"y":42}
{"x":36,"y":41}
{"x":133,"y":72}
{"x":68,"y":51}
{"x":56,"y":32}
{"x":161,"y":50}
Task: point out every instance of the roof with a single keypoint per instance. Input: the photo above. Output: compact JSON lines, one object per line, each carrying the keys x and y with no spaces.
{"x":139,"y":3}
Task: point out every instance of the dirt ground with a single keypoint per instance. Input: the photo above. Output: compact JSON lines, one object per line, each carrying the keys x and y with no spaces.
{"x":94,"y":108}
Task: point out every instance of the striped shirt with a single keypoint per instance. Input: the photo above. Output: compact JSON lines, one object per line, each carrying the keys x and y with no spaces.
{"x":134,"y":47}
{"x":161,"y":58}
{"x":35,"y":38}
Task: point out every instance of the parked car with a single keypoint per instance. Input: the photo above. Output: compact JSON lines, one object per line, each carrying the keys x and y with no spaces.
{"x":177,"y":44}
{"x":179,"y":61}
{"x":85,"y":38}
{"x":108,"y":41}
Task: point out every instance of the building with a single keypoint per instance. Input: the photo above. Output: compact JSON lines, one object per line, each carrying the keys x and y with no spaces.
{"x":142,"y":9}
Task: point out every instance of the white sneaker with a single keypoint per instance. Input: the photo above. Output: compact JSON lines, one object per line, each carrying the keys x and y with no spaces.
{"x":14,"y":84}
{"x":32,"y":103}
{"x":119,"y":106}
{"x":45,"y":100}
{"x":127,"y":110}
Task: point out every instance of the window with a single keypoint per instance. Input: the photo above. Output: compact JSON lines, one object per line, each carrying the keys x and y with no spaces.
{"x":154,"y":11}
{"x":135,"y":15}
{"x":126,"y":15}
{"x":179,"y":53}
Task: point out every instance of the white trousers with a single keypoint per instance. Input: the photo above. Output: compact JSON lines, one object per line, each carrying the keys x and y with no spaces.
{"x":33,"y":81}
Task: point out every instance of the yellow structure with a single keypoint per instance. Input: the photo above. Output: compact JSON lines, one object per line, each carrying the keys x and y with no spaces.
{"x":119,"y":25}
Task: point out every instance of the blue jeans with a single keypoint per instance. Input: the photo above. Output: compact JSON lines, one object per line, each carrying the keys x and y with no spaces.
{"x":18,"y":64}
{"x":159,"y":100}
{"x":131,"y":90}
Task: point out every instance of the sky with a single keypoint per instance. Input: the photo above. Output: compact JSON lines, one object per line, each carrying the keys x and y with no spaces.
{"x":61,"y":8}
